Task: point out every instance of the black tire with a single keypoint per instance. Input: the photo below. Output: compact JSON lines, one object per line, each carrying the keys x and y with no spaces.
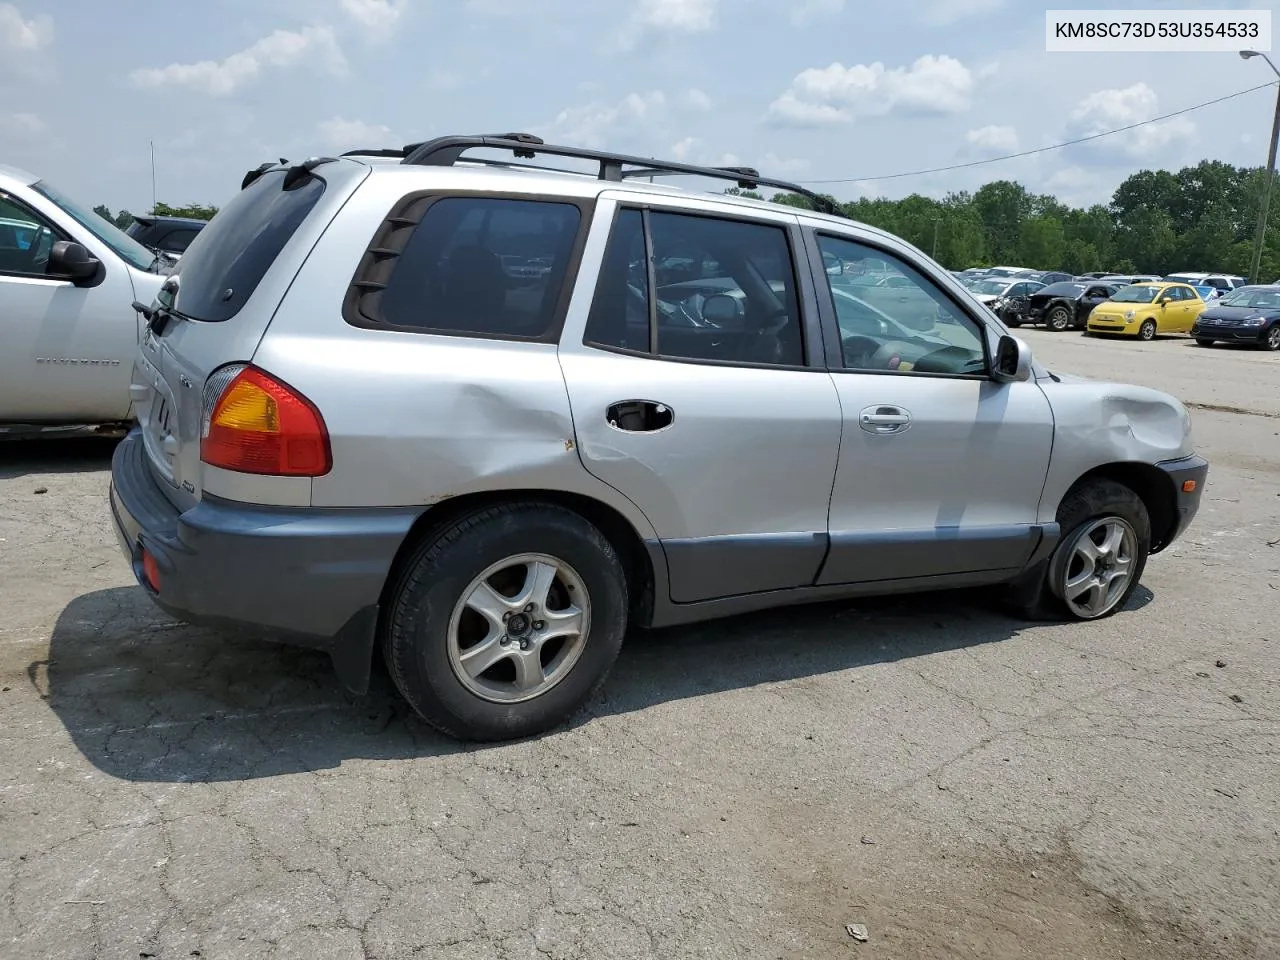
{"x":1205,"y":343}
{"x":1272,"y":339}
{"x":1058,"y":319}
{"x":1037,"y":595}
{"x":1147,"y":331}
{"x":430,"y":584}
{"x":1012,"y":322}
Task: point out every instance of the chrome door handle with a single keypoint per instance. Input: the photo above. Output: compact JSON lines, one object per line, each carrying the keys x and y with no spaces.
{"x":884,"y":419}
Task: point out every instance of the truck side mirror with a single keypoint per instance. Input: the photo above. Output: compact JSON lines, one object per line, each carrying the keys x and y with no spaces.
{"x":70,"y":260}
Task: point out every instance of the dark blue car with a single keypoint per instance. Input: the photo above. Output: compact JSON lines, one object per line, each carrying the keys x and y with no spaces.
{"x":1246,"y":315}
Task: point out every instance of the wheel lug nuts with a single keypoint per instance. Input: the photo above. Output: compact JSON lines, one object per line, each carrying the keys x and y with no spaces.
{"x":529,"y":608}
{"x":504,"y":640}
{"x":506,"y":616}
{"x":524,"y":644}
{"x":539,"y":625}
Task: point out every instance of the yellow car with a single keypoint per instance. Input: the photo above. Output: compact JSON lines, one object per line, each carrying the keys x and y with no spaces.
{"x":1144,"y":309}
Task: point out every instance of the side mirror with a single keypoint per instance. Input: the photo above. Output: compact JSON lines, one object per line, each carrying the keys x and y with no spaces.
{"x":72,"y":261}
{"x":1013,"y":360}
{"x":722,"y":310}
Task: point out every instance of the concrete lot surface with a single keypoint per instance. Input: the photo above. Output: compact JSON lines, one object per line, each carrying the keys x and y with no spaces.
{"x":961,"y":783}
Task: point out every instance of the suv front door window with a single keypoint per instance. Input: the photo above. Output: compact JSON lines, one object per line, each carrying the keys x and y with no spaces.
{"x":939,"y":464}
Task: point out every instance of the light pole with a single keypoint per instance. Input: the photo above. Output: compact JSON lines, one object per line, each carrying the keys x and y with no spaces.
{"x":1261,"y":234}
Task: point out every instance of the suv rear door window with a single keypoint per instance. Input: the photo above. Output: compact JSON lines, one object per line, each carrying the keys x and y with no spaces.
{"x":723,"y":290}
{"x":228,"y":259}
{"x":484,"y":266}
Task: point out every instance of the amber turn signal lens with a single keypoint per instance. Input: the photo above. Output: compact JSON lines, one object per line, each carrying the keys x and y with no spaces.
{"x":1188,"y":486}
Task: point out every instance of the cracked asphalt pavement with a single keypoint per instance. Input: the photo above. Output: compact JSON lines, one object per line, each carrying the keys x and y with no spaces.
{"x":963,"y":784}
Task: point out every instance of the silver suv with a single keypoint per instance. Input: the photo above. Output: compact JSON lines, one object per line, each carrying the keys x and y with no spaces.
{"x":488,"y":416}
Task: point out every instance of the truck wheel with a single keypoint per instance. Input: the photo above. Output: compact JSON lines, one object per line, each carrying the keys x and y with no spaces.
{"x":1147,"y":331}
{"x":505,"y":623}
{"x":1096,"y":566}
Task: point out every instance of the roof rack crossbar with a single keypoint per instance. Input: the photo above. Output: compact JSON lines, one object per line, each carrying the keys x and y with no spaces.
{"x":445,"y":152}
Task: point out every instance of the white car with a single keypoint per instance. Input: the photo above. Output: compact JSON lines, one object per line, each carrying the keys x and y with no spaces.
{"x":68,"y":280}
{"x":1224,"y":282}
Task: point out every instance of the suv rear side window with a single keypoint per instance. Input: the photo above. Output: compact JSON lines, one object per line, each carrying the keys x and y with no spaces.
{"x":483,"y":266}
{"x":228,"y":259}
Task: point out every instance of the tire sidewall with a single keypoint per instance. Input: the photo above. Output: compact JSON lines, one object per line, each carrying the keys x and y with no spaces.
{"x":1272,"y":340}
{"x":1142,"y":330}
{"x":418,"y":648}
{"x":1059,"y":319}
{"x":1093,"y":502}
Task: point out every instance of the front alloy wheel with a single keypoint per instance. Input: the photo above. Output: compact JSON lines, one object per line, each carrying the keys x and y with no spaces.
{"x":1059,"y":319}
{"x":1272,"y":339}
{"x":1098,"y":567}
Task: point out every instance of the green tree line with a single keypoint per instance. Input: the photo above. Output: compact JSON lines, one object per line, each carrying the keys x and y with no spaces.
{"x":123,"y":218}
{"x":1200,"y":218}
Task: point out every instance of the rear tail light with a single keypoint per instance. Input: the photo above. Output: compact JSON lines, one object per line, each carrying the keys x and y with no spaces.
{"x":151,"y":571}
{"x":256,"y":424}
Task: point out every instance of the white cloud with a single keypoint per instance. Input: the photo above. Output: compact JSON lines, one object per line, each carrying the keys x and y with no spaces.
{"x":1111,"y":109}
{"x":687,"y":16}
{"x":667,"y":16}
{"x":993,"y":139}
{"x":587,"y":125}
{"x":281,"y":49}
{"x":836,"y":94}
{"x":23,"y":126}
{"x":697,"y":100}
{"x":23,"y":36}
{"x":343,"y":134}
{"x":378,"y":17}
{"x":680,"y":150}
{"x":805,"y":12}
{"x":942,"y":13}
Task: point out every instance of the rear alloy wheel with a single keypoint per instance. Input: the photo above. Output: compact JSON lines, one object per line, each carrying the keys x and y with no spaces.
{"x":1096,"y":566}
{"x":504,"y":624}
{"x":1058,"y":319}
{"x":1272,"y":340}
{"x":1147,"y":331}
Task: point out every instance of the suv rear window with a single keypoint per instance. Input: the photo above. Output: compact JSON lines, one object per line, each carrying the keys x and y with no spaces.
{"x":491,"y":267}
{"x":228,"y":259}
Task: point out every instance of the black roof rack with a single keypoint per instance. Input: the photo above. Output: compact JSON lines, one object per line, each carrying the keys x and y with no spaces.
{"x":376,"y":152}
{"x":446,"y":151}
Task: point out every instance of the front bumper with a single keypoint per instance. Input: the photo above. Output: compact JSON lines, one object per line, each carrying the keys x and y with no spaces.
{"x":1193,"y":469}
{"x":1112,"y":325}
{"x":1231,"y":333}
{"x":303,"y":575}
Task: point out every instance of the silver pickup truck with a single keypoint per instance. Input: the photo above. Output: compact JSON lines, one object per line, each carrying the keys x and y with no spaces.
{"x":68,"y":330}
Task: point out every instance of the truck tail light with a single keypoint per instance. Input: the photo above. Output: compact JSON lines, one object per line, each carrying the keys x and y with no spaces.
{"x":256,"y":424}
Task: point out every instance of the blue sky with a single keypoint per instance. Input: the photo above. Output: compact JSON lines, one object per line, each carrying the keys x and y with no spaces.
{"x":810,"y":90}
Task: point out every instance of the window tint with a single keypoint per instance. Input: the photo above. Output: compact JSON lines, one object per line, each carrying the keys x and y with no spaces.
{"x":178,"y":240}
{"x":724,"y":290}
{"x":620,"y":309}
{"x":25,"y":239}
{"x":483,"y":266}
{"x":913,"y":328}
{"x":228,"y":259}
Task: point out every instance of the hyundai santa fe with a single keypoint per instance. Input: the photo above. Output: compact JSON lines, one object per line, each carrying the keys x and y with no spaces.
{"x":485,"y":419}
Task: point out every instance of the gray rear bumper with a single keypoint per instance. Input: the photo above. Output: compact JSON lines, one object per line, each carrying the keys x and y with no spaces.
{"x":307,"y":576}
